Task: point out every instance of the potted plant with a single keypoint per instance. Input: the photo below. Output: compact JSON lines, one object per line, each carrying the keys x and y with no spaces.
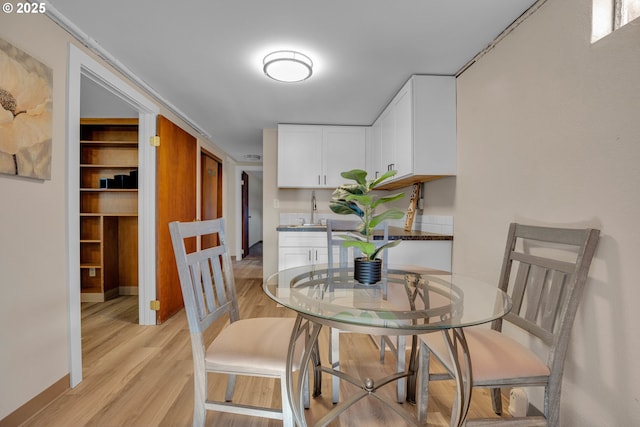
{"x":358,"y":199}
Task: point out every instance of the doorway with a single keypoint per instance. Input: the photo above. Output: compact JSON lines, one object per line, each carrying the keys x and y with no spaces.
{"x":251,"y":207}
{"x":210,"y":192}
{"x":82,"y":66}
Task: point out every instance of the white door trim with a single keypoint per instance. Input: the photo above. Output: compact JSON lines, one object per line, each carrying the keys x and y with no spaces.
{"x":238,"y":171}
{"x":80,"y":64}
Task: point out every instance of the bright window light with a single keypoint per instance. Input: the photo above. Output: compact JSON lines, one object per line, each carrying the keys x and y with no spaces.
{"x":609,"y":15}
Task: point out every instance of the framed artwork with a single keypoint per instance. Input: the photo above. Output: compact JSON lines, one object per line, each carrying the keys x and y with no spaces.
{"x":25,"y":116}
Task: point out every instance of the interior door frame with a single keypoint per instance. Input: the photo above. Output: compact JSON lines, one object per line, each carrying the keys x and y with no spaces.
{"x":245,"y":213}
{"x":82,"y":65}
{"x":207,"y":153}
{"x":238,"y":192}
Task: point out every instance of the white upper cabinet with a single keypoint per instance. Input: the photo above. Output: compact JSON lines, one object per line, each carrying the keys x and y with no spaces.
{"x":313,"y":156}
{"x":299,"y":154}
{"x":414,"y":135}
{"x":418,"y":131}
{"x":345,"y":148}
{"x":375,"y":151}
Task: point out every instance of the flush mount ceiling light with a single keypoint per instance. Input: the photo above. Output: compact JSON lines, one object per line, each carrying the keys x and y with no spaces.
{"x":288,"y":66}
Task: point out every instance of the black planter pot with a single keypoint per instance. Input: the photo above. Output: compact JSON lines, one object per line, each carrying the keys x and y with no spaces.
{"x":367,"y":272}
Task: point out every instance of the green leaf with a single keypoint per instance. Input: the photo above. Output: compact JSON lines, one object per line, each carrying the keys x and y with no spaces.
{"x":387,"y":199}
{"x":343,"y":207}
{"x":358,"y":175}
{"x":382,"y":177}
{"x":392,"y":213}
{"x":390,"y":244}
{"x":350,"y":189}
{"x":367,"y":248}
{"x":362,"y":199}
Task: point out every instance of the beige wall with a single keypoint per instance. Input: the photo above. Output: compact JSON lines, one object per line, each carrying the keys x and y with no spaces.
{"x":270,"y":215}
{"x":33,"y":237}
{"x":548,"y":129}
{"x":33,"y":277}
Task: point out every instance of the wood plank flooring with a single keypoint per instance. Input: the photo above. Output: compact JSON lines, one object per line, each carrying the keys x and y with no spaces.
{"x":142,"y":375}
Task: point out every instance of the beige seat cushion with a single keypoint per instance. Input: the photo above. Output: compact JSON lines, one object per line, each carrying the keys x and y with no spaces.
{"x":252,"y":345}
{"x":494,"y":356}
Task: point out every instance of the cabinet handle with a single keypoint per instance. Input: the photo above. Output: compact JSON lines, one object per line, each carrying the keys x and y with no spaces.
{"x":316,"y":255}
{"x":318,"y":179}
{"x":325,"y":180}
{"x":390,"y":167}
{"x":309,"y":254}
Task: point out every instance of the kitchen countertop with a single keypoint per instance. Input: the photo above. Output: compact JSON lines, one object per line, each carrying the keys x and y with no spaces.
{"x":395,"y":233}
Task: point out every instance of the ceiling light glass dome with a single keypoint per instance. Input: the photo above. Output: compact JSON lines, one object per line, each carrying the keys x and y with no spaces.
{"x":288,"y":66}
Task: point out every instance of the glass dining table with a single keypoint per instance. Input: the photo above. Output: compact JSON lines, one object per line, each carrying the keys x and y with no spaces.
{"x":406,"y":302}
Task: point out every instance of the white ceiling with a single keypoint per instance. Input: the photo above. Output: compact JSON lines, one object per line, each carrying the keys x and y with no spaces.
{"x":205,"y":56}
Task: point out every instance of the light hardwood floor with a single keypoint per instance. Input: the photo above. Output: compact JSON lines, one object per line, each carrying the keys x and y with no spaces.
{"x":142,"y":375}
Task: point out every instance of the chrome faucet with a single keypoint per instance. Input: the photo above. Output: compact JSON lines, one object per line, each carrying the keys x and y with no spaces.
{"x":314,"y":207}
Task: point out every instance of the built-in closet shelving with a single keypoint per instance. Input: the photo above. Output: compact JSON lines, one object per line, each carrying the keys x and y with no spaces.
{"x":108,"y":208}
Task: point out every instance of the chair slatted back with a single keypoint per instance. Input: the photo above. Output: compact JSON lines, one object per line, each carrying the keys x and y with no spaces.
{"x":206,"y":276}
{"x":337,"y":227}
{"x":551,"y":267}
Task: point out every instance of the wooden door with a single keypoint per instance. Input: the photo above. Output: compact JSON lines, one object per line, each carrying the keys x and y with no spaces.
{"x":245,"y":214}
{"x":176,"y":159}
{"x":210,"y":193}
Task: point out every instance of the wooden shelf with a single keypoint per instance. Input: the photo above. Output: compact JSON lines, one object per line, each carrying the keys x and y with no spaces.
{"x":132,"y":167}
{"x":109,"y":190}
{"x":108,"y":216}
{"x":88,"y":142}
{"x":101,"y":214}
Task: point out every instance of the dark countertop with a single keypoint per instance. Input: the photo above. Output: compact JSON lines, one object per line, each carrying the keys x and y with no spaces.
{"x":395,"y":233}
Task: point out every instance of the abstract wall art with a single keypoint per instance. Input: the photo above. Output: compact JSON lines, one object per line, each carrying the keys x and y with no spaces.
{"x":25,"y":116}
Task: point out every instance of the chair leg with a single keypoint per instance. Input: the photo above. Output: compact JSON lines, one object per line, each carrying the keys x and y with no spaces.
{"x":401,"y":365}
{"x":287,"y":411}
{"x":199,"y":396}
{"x":231,"y":386}
{"x":552,"y":402}
{"x":334,"y":360}
{"x":422,"y":388}
{"x":496,"y":400}
{"x":317,"y":370}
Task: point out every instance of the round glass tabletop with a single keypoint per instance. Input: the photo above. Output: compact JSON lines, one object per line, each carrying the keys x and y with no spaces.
{"x":407,"y":301}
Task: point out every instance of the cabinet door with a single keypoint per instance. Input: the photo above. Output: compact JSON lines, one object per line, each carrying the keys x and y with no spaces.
{"x":299,"y":156}
{"x":377,"y":166}
{"x":290,"y":257}
{"x":321,"y":255}
{"x":344,"y":148}
{"x":434,"y":127}
{"x":403,"y":144}
{"x":387,"y":139}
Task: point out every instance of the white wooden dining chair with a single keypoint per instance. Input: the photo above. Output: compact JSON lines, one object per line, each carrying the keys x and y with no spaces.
{"x":335,"y":228}
{"x":550,"y":267}
{"x":251,"y":347}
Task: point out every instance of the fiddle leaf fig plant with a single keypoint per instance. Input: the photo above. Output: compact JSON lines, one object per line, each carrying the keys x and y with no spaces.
{"x":358,"y":199}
